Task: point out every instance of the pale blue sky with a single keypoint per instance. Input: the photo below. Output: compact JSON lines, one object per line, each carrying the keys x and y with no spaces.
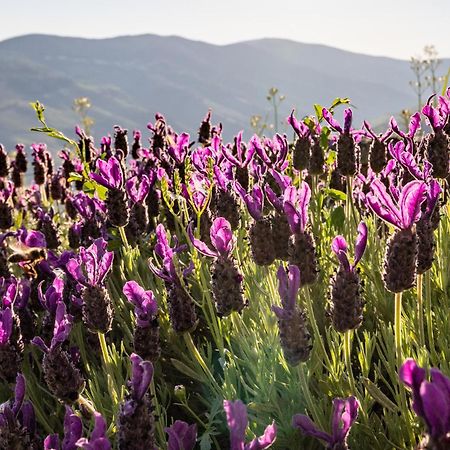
{"x":398,"y":28}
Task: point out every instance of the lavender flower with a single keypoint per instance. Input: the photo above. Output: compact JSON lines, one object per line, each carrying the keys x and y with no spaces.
{"x":237,"y":420}
{"x":62,"y":377}
{"x":345,"y":412}
{"x":240,"y":157}
{"x":302,"y":146}
{"x":98,"y":439}
{"x":260,"y":233}
{"x":302,"y":252}
{"x":96,"y":262}
{"x":401,"y":253}
{"x":6,"y":211}
{"x":346,"y":302}
{"x":136,"y":424}
{"x":138,"y":189}
{"x":73,"y":430}
{"x":294,"y":336}
{"x":431,"y":402}
{"x":181,"y":436}
{"x":181,"y":307}
{"x":146,"y":334}
{"x":11,"y":346}
{"x":17,"y":420}
{"x":111,"y":176}
{"x":437,"y":144}
{"x":346,"y":153}
{"x":378,"y":154}
{"x":226,"y":278}
{"x":4,"y":162}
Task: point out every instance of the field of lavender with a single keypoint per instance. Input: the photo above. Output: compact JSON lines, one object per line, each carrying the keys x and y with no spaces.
{"x":178,"y":292}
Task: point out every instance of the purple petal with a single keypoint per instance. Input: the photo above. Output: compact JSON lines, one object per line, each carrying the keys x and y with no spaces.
{"x":138,"y":189}
{"x":339,"y":247}
{"x":74,"y":268}
{"x":433,"y":117}
{"x":144,"y":302}
{"x":331,"y":120}
{"x":99,"y":430}
{"x":273,"y":198}
{"x":6,"y":325}
{"x":63,"y":325}
{"x":199,"y":245}
{"x":181,"y":436}
{"x":162,"y":248}
{"x":264,"y":441}
{"x":309,"y":428}
{"x":51,"y":442}
{"x":304,"y":197}
{"x":32,"y":238}
{"x":255,"y":143}
{"x":299,"y":127}
{"x":221,"y":236}
{"x":101,"y":180}
{"x":374,"y":204}
{"x":142,"y":374}
{"x":292,"y":217}
{"x":293,"y":285}
{"x":414,"y":124}
{"x":413,"y":376}
{"x":19,"y":393}
{"x":236,"y":413}
{"x":361,"y":243}
{"x":73,"y":430}
{"x":436,"y":409}
{"x":411,"y":198}
{"x":345,"y":412}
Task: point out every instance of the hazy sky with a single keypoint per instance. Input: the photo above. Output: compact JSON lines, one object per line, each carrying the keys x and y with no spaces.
{"x":398,"y":28}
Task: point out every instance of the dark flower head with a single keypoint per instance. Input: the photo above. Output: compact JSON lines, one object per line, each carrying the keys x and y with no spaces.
{"x":237,"y":420}
{"x":144,"y":302}
{"x":405,"y":211}
{"x":110,"y":173}
{"x":181,"y":436}
{"x":295,"y":205}
{"x":221,"y":239}
{"x":340,"y":247}
{"x":431,"y":399}
{"x":96,"y":262}
{"x":345,"y":412}
{"x":98,"y":439}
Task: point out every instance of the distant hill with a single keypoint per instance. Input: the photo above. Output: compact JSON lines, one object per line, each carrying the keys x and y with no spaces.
{"x":128,"y":79}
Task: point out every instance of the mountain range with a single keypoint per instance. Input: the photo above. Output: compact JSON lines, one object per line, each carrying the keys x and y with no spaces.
{"x":128,"y":79}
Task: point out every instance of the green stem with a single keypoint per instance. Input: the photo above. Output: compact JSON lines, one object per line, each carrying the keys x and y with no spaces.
{"x":194,"y":351}
{"x":310,"y":404}
{"x":348,"y":361}
{"x":107,"y":364}
{"x":428,"y":312}
{"x":124,"y":238}
{"x":420,"y":309}
{"x":398,"y":328}
{"x":317,"y":335}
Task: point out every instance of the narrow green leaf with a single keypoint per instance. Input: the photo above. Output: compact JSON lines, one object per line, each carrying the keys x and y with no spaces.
{"x":377,"y":395}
